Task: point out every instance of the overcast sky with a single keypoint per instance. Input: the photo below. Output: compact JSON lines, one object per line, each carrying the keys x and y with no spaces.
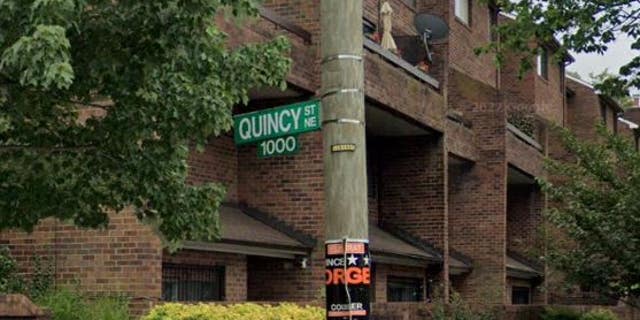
{"x":619,"y":53}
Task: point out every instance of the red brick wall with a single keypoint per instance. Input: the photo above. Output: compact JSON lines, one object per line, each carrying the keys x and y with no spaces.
{"x":235,"y":268}
{"x":218,"y":163}
{"x":402,"y":17}
{"x":413,"y":187}
{"x":523,"y":156}
{"x":271,"y":279}
{"x":524,"y":219}
{"x":464,"y":39}
{"x":584,"y":111}
{"x":125,"y":258}
{"x":397,"y":90}
{"x":290,"y":189}
{"x":477,"y":194}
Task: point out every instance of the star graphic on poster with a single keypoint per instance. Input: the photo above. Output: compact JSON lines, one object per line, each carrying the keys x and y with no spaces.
{"x":366,"y":260}
{"x":353,"y":260}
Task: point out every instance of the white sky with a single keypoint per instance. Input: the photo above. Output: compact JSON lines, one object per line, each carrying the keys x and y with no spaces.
{"x":619,"y":54}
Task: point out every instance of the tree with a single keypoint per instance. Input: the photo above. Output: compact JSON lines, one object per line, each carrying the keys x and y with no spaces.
{"x":625,"y":101}
{"x":580,"y":25}
{"x":101,"y":101}
{"x":597,"y":213}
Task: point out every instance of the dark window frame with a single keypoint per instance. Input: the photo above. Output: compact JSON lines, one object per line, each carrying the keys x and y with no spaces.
{"x":519,"y":294}
{"x":189,"y":278}
{"x":543,"y":63}
{"x":416,"y":284}
{"x":469,"y":13}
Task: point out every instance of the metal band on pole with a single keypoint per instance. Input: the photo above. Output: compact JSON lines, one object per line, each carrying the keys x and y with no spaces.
{"x":354,"y":57}
{"x":333,"y":91}
{"x":343,"y":120}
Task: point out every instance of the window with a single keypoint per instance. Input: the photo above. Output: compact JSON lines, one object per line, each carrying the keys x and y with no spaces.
{"x":192,"y":283}
{"x":405,"y":289}
{"x":520,"y":295}
{"x":543,"y":63}
{"x":603,"y":114}
{"x":462,"y":10}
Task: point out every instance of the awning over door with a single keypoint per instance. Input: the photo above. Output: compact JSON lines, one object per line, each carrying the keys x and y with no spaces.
{"x":244,"y":234}
{"x":519,"y":268}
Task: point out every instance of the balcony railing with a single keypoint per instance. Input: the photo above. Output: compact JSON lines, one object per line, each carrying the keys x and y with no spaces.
{"x":524,"y":137}
{"x":401,"y":63}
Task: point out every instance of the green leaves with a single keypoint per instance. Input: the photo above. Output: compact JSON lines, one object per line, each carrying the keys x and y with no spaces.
{"x":101,"y":102}
{"x":581,"y":26}
{"x":41,"y":59}
{"x":597,"y":211}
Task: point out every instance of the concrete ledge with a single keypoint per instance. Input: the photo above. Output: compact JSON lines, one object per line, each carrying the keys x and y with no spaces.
{"x":524,"y":137}
{"x":398,"y":61}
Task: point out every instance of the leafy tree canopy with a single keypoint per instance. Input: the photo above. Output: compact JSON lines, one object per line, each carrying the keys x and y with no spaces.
{"x":598,"y":213}
{"x":100,"y":101}
{"x":579,"y":25}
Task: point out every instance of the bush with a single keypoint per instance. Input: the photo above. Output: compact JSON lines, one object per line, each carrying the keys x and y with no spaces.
{"x":66,"y":304}
{"x":560,"y":314}
{"x":600,"y":314}
{"x":13,"y":282}
{"x":245,"y":311}
{"x":10,"y":281}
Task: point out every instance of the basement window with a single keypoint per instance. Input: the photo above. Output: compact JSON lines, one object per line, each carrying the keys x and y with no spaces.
{"x":400,"y":289}
{"x":520,"y":295}
{"x":189,"y":283}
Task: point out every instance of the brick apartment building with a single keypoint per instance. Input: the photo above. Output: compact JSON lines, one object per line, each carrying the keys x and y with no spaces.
{"x":452,"y":156}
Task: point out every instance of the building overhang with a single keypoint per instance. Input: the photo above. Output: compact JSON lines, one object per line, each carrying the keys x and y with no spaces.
{"x":518,"y":267}
{"x":246,"y":231}
{"x":386,"y":123}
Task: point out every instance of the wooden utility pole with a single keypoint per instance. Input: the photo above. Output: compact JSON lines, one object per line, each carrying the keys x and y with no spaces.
{"x":346,"y":213}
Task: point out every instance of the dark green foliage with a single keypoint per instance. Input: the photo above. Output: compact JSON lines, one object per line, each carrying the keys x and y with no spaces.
{"x":599,"y":314}
{"x":40,"y":282}
{"x":525,"y":121}
{"x":597,"y":212}
{"x":559,"y":313}
{"x":67,"y":304}
{"x":566,"y":313}
{"x":10,"y":281}
{"x":582,"y":26}
{"x":160,"y":77}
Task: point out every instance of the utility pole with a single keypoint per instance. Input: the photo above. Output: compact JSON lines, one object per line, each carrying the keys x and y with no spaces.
{"x":348,"y":263}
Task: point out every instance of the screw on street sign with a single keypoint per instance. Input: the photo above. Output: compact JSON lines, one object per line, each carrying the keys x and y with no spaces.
{"x":277,"y":122}
{"x":278,"y":147}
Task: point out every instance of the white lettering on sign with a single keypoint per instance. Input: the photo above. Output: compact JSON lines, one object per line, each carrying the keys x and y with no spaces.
{"x":277,"y":122}
{"x":272,"y":124}
{"x":245,"y":128}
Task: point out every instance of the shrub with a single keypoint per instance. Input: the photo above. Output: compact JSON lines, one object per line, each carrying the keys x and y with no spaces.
{"x":245,"y":311}
{"x":560,"y":314}
{"x":66,"y":304}
{"x":10,"y":281}
{"x":599,"y":314}
{"x":13,"y":282}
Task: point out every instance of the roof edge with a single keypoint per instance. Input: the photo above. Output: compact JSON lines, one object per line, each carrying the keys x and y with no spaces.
{"x":412,"y":240}
{"x":275,"y":223}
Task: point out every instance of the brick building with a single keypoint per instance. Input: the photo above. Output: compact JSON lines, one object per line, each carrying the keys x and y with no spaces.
{"x":452,"y":156}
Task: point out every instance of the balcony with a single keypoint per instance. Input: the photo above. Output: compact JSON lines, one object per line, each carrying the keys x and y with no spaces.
{"x":400,"y":62}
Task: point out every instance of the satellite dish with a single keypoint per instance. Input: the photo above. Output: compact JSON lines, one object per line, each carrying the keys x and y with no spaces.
{"x":430,"y":28}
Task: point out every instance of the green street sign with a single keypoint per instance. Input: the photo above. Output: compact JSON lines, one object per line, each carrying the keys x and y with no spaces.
{"x":278,"y":147}
{"x":277,"y":122}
